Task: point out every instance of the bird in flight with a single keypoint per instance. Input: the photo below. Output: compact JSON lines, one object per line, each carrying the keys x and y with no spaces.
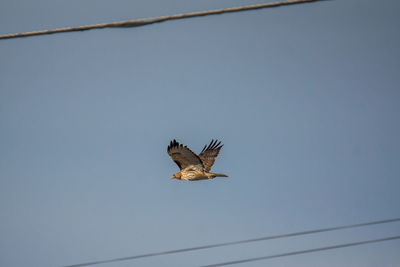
{"x":194,"y":167}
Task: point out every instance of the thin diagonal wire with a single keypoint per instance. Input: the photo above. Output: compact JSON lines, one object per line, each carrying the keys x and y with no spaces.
{"x":304,"y":251}
{"x":237,"y":242}
{"x":146,"y":21}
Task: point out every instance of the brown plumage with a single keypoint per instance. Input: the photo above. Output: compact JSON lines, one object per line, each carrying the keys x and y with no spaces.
{"x":192,"y":166}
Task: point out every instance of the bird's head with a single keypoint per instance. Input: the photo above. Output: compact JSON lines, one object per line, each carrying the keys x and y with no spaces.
{"x":176,"y":175}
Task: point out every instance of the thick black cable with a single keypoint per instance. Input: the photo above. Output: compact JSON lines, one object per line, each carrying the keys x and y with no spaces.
{"x":236,"y":242}
{"x":304,"y":251}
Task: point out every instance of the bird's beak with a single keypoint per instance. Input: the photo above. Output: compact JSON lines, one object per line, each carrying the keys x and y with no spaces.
{"x":173,"y":177}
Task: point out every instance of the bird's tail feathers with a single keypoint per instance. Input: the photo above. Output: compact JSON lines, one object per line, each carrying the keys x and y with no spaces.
{"x":213,"y":175}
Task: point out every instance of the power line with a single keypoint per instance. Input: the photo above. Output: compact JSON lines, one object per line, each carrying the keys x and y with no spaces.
{"x":304,"y":251}
{"x":146,"y":21}
{"x":237,"y":242}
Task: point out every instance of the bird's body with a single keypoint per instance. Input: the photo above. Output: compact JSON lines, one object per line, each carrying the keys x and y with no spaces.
{"x":194,"y":167}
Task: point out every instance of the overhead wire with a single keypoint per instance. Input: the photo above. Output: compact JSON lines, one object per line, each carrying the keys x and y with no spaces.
{"x":146,"y":21}
{"x":304,"y":251}
{"x":237,"y":242}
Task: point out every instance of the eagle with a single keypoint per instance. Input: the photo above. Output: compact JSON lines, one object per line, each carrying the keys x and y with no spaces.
{"x":194,"y":167}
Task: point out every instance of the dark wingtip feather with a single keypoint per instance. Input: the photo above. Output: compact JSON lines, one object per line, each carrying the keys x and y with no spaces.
{"x":214,"y":144}
{"x":169,"y":146}
{"x":209,"y":145}
{"x":172,"y":144}
{"x":204,"y":148}
{"x":217,"y":145}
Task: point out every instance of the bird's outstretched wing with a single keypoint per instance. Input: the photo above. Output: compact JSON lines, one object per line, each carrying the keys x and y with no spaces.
{"x":183,"y":156}
{"x":209,"y":153}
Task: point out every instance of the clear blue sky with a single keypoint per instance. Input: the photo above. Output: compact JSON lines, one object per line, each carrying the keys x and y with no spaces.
{"x":305,"y":98}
